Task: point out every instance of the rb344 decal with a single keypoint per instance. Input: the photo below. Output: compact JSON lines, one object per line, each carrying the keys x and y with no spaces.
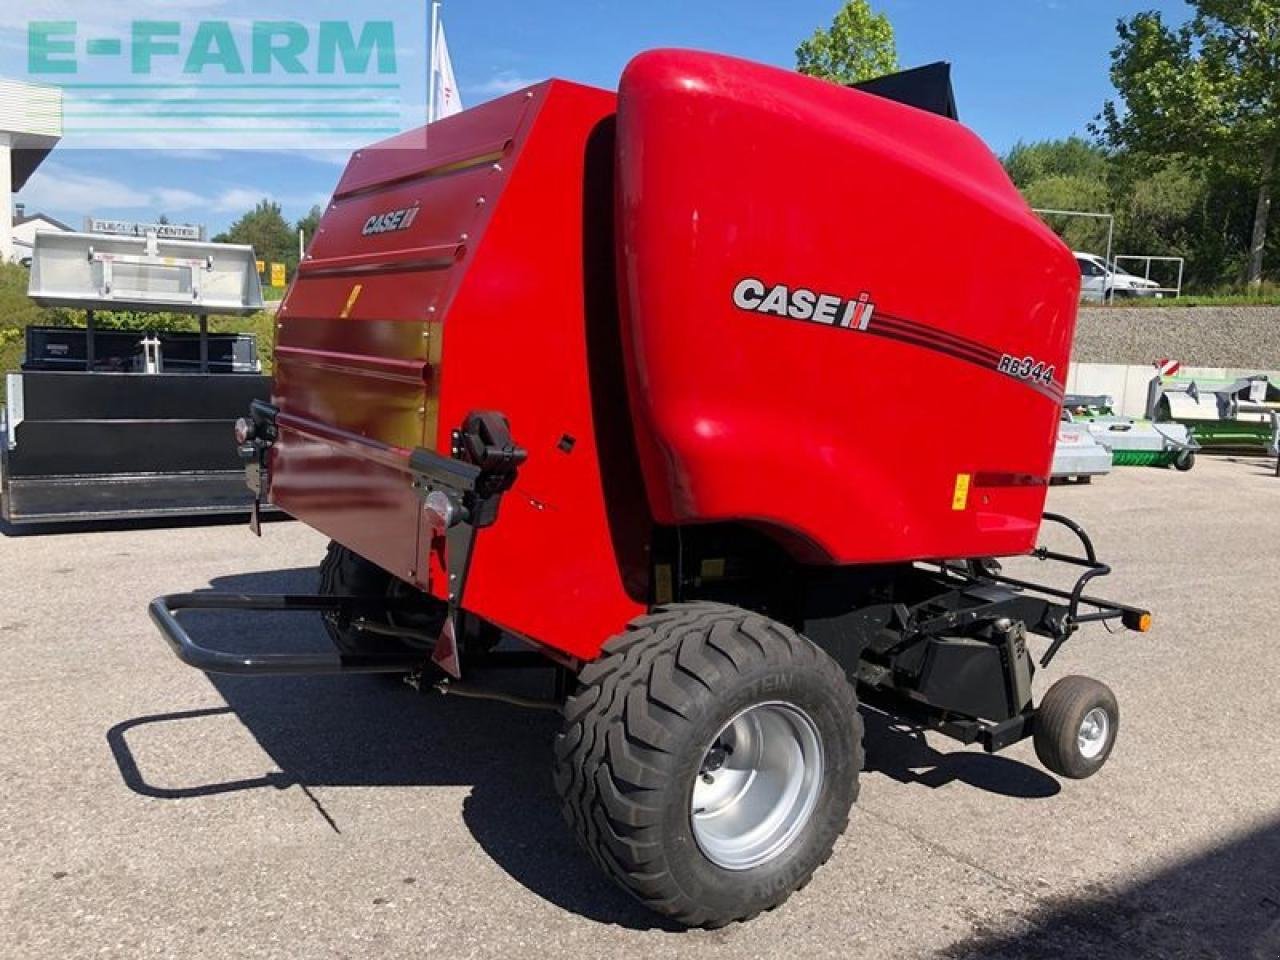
{"x":861,"y":315}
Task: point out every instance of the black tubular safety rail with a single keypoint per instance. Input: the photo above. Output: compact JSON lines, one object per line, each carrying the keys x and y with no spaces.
{"x":164,"y":611}
{"x":1135,"y":618}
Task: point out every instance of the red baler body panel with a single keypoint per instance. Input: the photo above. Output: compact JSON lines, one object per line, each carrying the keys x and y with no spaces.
{"x":853,"y":445}
{"x":586,"y":283}
{"x":480,"y":303}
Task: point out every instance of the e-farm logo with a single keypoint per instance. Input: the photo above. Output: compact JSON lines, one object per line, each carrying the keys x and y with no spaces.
{"x":210,"y":47}
{"x":297,"y":79}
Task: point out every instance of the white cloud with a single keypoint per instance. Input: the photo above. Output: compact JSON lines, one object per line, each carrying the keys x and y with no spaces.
{"x":501,"y":83}
{"x":239,"y":199}
{"x":55,"y":187}
{"x":174,"y":198}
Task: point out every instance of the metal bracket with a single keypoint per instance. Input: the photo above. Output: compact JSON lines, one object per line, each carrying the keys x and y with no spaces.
{"x":461,"y":495}
{"x":255,"y":452}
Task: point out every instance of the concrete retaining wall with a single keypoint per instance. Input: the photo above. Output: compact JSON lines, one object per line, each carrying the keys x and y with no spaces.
{"x":1236,"y":337}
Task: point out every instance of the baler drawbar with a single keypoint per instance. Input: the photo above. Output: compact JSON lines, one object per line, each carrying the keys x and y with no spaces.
{"x":596,"y":382}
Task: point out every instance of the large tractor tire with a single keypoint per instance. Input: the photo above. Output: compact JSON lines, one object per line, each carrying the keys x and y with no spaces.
{"x":708,"y":761}
{"x":344,"y":573}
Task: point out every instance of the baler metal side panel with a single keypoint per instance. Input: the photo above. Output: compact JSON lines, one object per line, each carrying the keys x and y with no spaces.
{"x":359,"y":341}
{"x":837,"y":437}
{"x":499,"y":295}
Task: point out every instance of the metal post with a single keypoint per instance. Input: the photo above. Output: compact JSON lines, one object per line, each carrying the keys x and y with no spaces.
{"x":89,"y":357}
{"x":204,"y":343}
{"x":1111,"y":229}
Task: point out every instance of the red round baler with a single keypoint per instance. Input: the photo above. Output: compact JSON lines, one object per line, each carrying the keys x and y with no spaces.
{"x":643,"y":388}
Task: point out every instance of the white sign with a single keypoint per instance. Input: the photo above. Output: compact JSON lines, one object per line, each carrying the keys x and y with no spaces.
{"x":128,"y":228}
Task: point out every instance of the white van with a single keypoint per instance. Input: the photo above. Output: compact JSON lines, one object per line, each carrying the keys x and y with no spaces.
{"x":1097,"y":280}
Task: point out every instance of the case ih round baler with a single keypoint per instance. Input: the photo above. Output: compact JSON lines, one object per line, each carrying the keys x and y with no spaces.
{"x":633,"y":379}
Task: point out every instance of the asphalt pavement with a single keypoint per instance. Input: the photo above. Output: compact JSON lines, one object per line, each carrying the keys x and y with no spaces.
{"x":147,"y":810}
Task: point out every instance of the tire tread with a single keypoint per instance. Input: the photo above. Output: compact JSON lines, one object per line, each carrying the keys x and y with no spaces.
{"x":627,"y":713}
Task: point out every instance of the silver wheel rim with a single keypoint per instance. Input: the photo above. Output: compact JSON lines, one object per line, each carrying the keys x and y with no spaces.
{"x":758,"y":784}
{"x":1093,"y":733}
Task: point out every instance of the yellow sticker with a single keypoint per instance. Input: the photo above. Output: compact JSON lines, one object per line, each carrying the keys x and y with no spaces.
{"x":960,"y":498}
{"x":351,"y":301}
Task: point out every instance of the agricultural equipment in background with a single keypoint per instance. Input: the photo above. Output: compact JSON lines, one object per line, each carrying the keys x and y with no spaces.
{"x":1132,"y":442}
{"x":605,"y":376}
{"x":1077,"y":456}
{"x":106,"y":424}
{"x":1226,"y":415}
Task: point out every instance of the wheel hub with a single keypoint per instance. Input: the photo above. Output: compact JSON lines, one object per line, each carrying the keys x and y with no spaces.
{"x":757,"y":786}
{"x":1093,"y":733}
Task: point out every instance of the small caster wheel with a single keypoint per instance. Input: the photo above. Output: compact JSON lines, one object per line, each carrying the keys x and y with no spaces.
{"x":1185,"y":461}
{"x":1075,"y":727}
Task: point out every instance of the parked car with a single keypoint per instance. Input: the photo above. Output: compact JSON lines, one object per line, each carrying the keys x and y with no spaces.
{"x":1098,"y":280}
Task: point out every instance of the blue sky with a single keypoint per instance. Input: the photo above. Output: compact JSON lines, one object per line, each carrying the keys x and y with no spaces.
{"x":1023,"y":70}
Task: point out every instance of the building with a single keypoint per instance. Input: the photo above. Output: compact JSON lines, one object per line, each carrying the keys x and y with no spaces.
{"x":25,"y":228}
{"x":30,"y":127}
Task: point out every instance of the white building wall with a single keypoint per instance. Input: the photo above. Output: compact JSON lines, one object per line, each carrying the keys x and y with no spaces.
{"x":6,"y":197}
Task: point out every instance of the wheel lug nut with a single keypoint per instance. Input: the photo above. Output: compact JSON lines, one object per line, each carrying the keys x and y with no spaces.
{"x":708,"y":778}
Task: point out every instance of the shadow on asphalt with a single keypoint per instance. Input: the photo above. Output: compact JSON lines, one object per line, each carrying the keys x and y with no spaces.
{"x":900,"y":751}
{"x":1224,"y":903}
{"x":369,"y":730}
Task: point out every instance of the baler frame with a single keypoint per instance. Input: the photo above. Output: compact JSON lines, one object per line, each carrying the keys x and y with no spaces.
{"x":1011,"y":604}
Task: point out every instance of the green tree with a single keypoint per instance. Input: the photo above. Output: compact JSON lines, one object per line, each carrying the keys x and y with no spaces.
{"x":1072,"y":157}
{"x":1066,"y":192}
{"x":266,"y":229}
{"x":858,"y":46}
{"x":310,"y":223}
{"x":1209,"y":88}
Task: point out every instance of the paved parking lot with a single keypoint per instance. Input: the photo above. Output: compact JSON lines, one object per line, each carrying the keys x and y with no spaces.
{"x":149,"y":811}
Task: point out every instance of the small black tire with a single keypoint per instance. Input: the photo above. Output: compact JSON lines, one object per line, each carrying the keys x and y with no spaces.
{"x":1063,"y":743}
{"x":639,"y":735}
{"x":344,"y":573}
{"x":1185,"y":460}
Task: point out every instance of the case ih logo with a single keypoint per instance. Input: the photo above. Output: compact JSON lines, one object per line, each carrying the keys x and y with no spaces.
{"x":390,"y":222}
{"x":802,"y":304}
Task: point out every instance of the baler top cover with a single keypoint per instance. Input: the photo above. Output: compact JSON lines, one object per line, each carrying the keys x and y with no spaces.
{"x":806,"y":269}
{"x":728,"y":293}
